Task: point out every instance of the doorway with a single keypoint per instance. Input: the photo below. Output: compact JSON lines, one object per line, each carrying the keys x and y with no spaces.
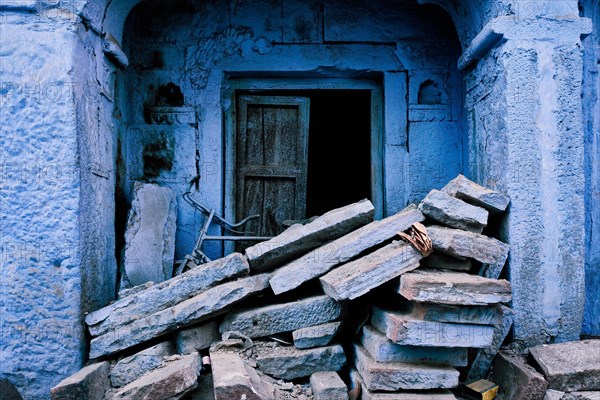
{"x":301,"y":153}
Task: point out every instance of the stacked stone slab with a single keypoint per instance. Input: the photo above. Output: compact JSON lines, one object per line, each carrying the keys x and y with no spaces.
{"x":287,"y":333}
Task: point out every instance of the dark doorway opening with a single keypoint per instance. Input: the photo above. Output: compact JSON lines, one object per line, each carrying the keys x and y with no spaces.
{"x":339,"y":149}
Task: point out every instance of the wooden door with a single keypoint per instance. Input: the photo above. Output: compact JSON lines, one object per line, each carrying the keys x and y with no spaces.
{"x":272,"y":157}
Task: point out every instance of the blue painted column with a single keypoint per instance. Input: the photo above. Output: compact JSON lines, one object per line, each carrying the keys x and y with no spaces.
{"x":524,"y":114}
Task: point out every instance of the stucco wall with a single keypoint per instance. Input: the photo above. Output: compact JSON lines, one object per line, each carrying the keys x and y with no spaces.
{"x":591,"y":108}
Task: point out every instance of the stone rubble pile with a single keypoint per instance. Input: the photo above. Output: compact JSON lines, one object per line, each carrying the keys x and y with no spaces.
{"x":325,"y":310}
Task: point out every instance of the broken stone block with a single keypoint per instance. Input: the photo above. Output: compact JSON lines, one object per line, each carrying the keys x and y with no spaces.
{"x":467,"y":190}
{"x":453,"y":212}
{"x":323,"y":259}
{"x":396,"y":376}
{"x":327,"y":385}
{"x":358,"y":277}
{"x":366,"y":394}
{"x":484,"y":357}
{"x":479,"y":315}
{"x":277,"y":318}
{"x":407,"y":329}
{"x":570,"y":366}
{"x":166,"y":294}
{"x":234,"y":379}
{"x":458,"y":288}
{"x":456,"y":242}
{"x":130,"y":368}
{"x":172,"y":381}
{"x":197,"y":338}
{"x":439,"y":261}
{"x":299,"y":239}
{"x":384,"y":350}
{"x":90,"y":383}
{"x":553,"y":395}
{"x":150,"y":235}
{"x":289,"y":363}
{"x":517,"y":379}
{"x":316,"y":336}
{"x":201,"y":307}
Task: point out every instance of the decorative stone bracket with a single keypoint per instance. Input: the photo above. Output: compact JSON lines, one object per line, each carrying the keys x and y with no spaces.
{"x":562,"y":29}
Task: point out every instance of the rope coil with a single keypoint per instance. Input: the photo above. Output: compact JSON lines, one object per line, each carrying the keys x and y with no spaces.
{"x":418,"y":238}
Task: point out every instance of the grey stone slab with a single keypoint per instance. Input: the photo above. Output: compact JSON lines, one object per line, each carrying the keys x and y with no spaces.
{"x":453,"y":212}
{"x":473,"y":193}
{"x":479,"y":315}
{"x":90,"y":382}
{"x":196,"y":309}
{"x":517,"y":379}
{"x":316,"y":336}
{"x":582,"y":396}
{"x":287,"y":317}
{"x":290,"y":363}
{"x":327,"y":385}
{"x":570,"y":366}
{"x":459,"y":243}
{"x":234,"y":379}
{"x":323,"y":259}
{"x":8,"y":391}
{"x":407,"y":329}
{"x":131,"y":368}
{"x":396,"y":376}
{"x":150,"y":234}
{"x":358,"y":277}
{"x":366,"y":394}
{"x":440,"y":261}
{"x":485,"y":357}
{"x":172,"y":381}
{"x":166,"y":294}
{"x":383,"y":350}
{"x":454,"y":288}
{"x":197,"y":338}
{"x":299,"y":239}
{"x":553,"y":395}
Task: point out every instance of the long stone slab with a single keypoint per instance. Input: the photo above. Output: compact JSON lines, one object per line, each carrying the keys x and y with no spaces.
{"x":383,"y":350}
{"x":406,"y":329}
{"x":290,"y":363}
{"x":517,"y":379}
{"x":323,"y":259}
{"x":173,"y":381}
{"x":455,"y":288}
{"x":358,"y":277}
{"x":299,"y":239}
{"x":440,"y":261}
{"x":396,"y":376}
{"x":453,"y":212}
{"x":234,"y":379}
{"x":485,"y":357}
{"x":366,"y":394}
{"x":90,"y":382}
{"x":196,"y":309}
{"x":473,"y":193}
{"x":131,"y":368}
{"x":479,"y":315}
{"x":570,"y":366}
{"x":287,"y":317}
{"x":166,"y":294}
{"x":316,"y":336}
{"x":456,"y":242}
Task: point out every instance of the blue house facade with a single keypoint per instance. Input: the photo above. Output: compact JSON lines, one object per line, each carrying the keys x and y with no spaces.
{"x":96,"y":95}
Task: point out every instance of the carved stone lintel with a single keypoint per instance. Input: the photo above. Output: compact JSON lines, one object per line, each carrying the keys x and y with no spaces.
{"x":429,"y":113}
{"x":171,"y":115}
